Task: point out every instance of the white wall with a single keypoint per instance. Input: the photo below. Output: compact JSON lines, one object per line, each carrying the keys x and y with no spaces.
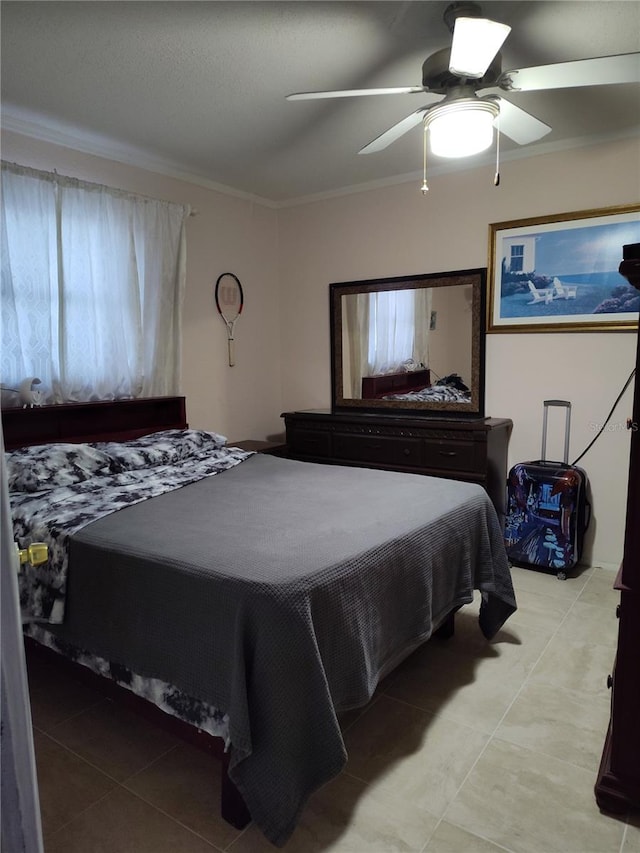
{"x":228,"y":235}
{"x":396,"y":231}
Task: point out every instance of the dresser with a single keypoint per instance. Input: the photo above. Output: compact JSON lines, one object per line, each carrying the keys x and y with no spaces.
{"x":618,"y":783}
{"x":471,"y":450}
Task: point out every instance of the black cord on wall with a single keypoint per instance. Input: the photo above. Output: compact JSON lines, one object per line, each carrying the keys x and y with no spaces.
{"x":601,"y":430}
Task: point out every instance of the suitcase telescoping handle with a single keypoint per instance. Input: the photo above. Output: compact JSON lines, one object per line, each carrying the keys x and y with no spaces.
{"x":567,"y":406}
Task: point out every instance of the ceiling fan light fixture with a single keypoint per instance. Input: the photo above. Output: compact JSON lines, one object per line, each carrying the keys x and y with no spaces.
{"x":475,"y":43}
{"x":461,"y":128}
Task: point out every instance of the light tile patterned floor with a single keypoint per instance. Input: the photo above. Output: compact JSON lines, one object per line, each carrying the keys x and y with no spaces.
{"x":469,"y":747}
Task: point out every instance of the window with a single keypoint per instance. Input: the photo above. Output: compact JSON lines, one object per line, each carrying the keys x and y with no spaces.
{"x":517,"y":258}
{"x":391,"y":329}
{"x":92,"y":283}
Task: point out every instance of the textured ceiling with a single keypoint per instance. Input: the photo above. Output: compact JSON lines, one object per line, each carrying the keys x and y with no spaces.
{"x":198,"y":88}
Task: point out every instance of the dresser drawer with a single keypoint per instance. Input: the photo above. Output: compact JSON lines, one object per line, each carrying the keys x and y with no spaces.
{"x":472,"y":451}
{"x":379,"y":449}
{"x":452,"y":455}
{"x":308,"y":442}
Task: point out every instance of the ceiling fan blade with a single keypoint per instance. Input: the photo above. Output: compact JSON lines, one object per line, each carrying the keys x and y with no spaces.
{"x":475,"y":43}
{"x":520,"y":125}
{"x":599,"y":71}
{"x":354,"y":93}
{"x":395,"y":132}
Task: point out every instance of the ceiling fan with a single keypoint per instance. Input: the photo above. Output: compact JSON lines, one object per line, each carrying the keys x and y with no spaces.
{"x":462,"y":122}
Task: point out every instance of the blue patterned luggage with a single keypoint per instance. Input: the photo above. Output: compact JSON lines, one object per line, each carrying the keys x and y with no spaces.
{"x":548,"y":510}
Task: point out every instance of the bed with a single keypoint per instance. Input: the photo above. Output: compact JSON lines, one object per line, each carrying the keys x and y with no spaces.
{"x":415,"y":386}
{"x":255,"y":597}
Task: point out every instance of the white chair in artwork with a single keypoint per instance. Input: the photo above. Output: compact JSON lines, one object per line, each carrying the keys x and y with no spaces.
{"x":564,"y":291}
{"x":541,"y":294}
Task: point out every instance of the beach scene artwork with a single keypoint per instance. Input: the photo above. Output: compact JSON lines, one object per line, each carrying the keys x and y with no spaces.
{"x":565,"y":273}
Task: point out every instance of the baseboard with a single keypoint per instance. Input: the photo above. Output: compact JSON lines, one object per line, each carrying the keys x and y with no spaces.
{"x":601,"y":564}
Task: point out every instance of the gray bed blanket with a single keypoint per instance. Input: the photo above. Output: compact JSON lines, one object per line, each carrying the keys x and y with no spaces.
{"x":280,"y":591}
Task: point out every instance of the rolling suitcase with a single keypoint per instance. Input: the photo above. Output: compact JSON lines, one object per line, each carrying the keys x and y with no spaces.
{"x":548,"y":510}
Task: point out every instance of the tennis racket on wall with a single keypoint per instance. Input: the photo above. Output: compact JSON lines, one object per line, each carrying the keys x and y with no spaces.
{"x":229,"y":302}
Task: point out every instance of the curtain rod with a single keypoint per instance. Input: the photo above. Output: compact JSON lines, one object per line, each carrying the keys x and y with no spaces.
{"x":68,"y":180}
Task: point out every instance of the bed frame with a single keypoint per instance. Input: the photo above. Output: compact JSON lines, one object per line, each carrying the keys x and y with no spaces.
{"x":118,"y":421}
{"x":378,"y":386}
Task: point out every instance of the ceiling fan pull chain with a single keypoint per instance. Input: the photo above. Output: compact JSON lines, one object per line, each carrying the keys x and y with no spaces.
{"x":425,"y":188}
{"x":496,"y":177}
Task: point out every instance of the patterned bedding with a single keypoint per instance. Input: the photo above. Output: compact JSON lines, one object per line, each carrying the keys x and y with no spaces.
{"x":278,"y":591}
{"x":55,"y":513}
{"x":449,"y":389}
{"x":56,"y":490}
{"x":433,"y":394}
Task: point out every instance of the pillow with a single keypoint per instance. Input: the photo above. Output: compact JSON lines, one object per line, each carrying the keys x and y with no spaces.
{"x":159,"y":448}
{"x":46,"y":466}
{"x":192,"y":441}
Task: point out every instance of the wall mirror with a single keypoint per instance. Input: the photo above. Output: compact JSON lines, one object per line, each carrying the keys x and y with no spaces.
{"x":413,"y":344}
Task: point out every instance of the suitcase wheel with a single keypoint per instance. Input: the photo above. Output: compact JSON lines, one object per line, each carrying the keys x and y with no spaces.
{"x":562,"y":576}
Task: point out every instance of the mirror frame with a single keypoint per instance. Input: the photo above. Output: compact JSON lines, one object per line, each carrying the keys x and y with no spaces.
{"x":477,"y":278}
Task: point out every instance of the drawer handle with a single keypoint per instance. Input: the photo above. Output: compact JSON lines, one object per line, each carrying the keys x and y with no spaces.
{"x":448,"y":452}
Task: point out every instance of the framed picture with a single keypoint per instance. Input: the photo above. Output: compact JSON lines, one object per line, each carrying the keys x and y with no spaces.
{"x":560,"y":273}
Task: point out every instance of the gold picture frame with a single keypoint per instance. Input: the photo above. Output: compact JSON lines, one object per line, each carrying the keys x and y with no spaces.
{"x":559,"y":273}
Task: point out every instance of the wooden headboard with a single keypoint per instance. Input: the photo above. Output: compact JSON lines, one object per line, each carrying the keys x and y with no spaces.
{"x":104,"y":421}
{"x":375,"y":387}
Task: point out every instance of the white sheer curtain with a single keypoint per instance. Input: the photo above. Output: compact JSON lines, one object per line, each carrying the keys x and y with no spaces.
{"x":92,"y":287}
{"x":391,"y":329}
{"x":422,"y":325}
{"x":355,"y":347}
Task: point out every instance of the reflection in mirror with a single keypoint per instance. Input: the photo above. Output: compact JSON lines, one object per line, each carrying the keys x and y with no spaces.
{"x":410,"y":343}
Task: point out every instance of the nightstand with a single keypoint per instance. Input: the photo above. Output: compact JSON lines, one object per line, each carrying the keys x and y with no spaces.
{"x":273,"y":448}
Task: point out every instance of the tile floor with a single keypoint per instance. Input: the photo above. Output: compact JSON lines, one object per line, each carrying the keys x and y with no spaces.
{"x":469,"y":747}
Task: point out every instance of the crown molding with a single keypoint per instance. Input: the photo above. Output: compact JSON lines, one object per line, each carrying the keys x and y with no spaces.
{"x":462,"y":165}
{"x":50,"y":130}
{"x":46,"y":129}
